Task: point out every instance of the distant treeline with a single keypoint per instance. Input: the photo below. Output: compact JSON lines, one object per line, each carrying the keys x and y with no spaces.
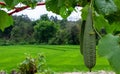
{"x":42,"y":31}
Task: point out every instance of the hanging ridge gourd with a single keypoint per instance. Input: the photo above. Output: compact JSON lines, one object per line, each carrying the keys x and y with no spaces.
{"x":89,"y":42}
{"x":82,"y":28}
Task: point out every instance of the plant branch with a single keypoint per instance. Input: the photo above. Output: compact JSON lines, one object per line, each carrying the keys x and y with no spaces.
{"x":18,"y":9}
{"x":2,"y":3}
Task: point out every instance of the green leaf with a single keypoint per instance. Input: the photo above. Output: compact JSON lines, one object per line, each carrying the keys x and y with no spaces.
{"x":101,"y":23}
{"x":61,"y":7}
{"x":114,"y":62}
{"x":9,"y":2}
{"x":111,"y":29}
{"x":84,"y":12}
{"x":109,"y":47}
{"x":117,"y":2}
{"x":31,"y":3}
{"x":105,"y":7}
{"x":60,"y":3}
{"x":83,"y":3}
{"x":64,"y":12}
{"x":51,"y":5}
{"x":5,"y":20}
{"x":115,"y":26}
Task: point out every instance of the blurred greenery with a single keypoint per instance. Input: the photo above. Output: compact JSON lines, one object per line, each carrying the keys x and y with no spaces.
{"x":45,"y":30}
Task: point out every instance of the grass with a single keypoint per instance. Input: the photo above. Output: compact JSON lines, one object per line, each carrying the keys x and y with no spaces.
{"x":60,"y":58}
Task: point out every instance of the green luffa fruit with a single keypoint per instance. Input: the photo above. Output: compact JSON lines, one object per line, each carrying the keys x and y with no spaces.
{"x":89,"y":42}
{"x":82,"y":28}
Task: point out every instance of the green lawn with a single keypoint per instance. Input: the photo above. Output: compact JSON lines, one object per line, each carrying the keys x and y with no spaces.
{"x":60,"y":58}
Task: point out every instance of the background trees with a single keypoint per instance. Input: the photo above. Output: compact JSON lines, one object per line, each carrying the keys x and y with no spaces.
{"x":46,"y":30}
{"x":22,"y":29}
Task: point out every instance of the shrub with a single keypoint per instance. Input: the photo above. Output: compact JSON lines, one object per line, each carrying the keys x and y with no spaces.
{"x":34,"y":66}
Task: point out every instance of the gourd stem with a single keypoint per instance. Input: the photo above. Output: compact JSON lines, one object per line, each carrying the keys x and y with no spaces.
{"x":91,"y":5}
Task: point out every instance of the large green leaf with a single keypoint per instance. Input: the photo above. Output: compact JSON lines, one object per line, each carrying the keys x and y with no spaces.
{"x":51,"y":5}
{"x":115,"y":26}
{"x":5,"y":20}
{"x":114,"y":61}
{"x":101,"y":23}
{"x":109,"y":47}
{"x":117,"y":2}
{"x":61,"y":7}
{"x":105,"y":7}
{"x":64,"y":12}
{"x":9,"y":2}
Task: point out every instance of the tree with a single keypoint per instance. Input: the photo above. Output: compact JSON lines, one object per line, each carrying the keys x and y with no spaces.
{"x":22,"y":30}
{"x":74,"y":35}
{"x":63,"y":23}
{"x":44,"y":30}
{"x":60,"y":38}
{"x":44,"y":17}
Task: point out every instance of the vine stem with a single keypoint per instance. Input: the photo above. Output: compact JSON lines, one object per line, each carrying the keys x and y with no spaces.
{"x":91,"y":5}
{"x":97,"y":32}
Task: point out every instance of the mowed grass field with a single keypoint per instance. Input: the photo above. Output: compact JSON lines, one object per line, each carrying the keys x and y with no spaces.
{"x":60,"y":58}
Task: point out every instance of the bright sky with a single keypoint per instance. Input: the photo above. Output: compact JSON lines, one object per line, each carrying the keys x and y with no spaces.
{"x":40,"y":10}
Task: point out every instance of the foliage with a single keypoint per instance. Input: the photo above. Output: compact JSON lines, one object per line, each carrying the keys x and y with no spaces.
{"x":5,"y":20}
{"x":34,"y":66}
{"x":65,"y":6}
{"x":28,"y":66}
{"x":44,"y":30}
{"x":84,"y":12}
{"x":67,"y":31}
{"x":61,"y":37}
{"x":98,"y":22}
{"x":67,"y":34}
{"x":109,"y":48}
{"x":22,"y":31}
{"x":44,"y":17}
{"x":105,"y":7}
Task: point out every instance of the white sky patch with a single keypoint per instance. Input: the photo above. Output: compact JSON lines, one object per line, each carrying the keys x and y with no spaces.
{"x":35,"y":14}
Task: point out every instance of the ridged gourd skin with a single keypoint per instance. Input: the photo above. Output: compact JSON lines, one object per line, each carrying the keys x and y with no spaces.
{"x":89,"y":42}
{"x":82,"y":28}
